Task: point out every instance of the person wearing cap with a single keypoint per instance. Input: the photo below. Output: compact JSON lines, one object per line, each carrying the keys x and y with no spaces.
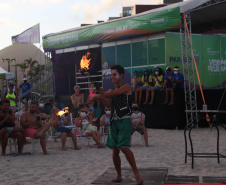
{"x":77,"y":98}
{"x":158,"y":81}
{"x":25,"y":96}
{"x":168,"y":84}
{"x":178,"y":79}
{"x":9,"y":83}
{"x":147,"y":83}
{"x":12,"y":96}
{"x":136,"y":81}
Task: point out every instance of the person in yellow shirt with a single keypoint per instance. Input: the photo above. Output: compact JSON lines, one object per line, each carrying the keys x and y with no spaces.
{"x":12,"y":96}
{"x":158,"y":81}
{"x":147,"y":83}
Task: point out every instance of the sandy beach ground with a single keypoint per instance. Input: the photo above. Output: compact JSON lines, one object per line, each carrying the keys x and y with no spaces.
{"x":82,"y":167}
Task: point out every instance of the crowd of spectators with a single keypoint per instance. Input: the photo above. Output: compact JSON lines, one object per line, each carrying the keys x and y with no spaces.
{"x":37,"y":120}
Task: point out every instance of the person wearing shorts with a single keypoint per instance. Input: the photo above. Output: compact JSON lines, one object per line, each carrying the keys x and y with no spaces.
{"x":158,"y":81}
{"x":147,"y":83}
{"x":119,"y":99}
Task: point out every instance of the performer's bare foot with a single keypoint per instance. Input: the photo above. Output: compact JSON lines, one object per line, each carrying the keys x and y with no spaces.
{"x":77,"y":148}
{"x":138,"y":178}
{"x":140,"y":182}
{"x":171,"y":103}
{"x":117,"y":179}
{"x":151,"y":103}
{"x":45,"y":153}
{"x":3,"y":154}
{"x":165,"y":103}
{"x":64,"y":149}
{"x":145,"y":103}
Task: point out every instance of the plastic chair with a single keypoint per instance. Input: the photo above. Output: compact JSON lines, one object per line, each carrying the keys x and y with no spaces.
{"x":142,"y":139}
{"x":10,"y":140}
{"x":102,"y":133}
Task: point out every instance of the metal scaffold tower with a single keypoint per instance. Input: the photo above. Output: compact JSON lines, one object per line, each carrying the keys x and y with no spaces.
{"x":188,"y":68}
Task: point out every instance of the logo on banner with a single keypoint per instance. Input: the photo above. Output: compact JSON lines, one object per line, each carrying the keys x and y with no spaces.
{"x":216,"y":65}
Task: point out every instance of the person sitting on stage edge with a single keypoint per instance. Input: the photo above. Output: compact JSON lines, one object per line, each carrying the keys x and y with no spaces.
{"x":33,"y":126}
{"x":147,"y":83}
{"x":136,"y":81}
{"x":158,"y":81}
{"x":86,"y":125}
{"x":8,"y":129}
{"x":168,"y":85}
{"x":77,"y":98}
{"x":138,"y":120}
{"x":120,"y":121}
{"x":178,"y":79}
{"x":59,"y":122}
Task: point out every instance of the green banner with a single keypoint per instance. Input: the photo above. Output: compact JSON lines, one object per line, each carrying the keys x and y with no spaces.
{"x":132,"y":26}
{"x":212,"y":71}
{"x":156,"y":54}
{"x":223,"y":60}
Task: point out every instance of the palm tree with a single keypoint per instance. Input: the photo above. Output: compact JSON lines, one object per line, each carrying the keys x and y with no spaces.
{"x":33,"y":67}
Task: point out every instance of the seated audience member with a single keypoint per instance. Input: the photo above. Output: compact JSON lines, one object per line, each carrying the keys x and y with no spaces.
{"x":178,"y":79}
{"x":33,"y":126}
{"x":59,"y":122}
{"x":105,"y":120}
{"x":86,"y":125}
{"x":55,"y":106}
{"x":8,"y":129}
{"x":42,"y":108}
{"x":169,"y":86}
{"x":158,"y":81}
{"x":12,"y":96}
{"x":77,"y":98}
{"x":136,"y":81}
{"x":92,"y":90}
{"x":138,"y":120}
{"x":147,"y":83}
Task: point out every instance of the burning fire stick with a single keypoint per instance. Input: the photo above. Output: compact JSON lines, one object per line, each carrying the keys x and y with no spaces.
{"x":63,"y":112}
{"x":85,"y":62}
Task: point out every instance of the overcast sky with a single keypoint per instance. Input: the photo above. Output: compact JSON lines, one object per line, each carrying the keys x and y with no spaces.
{"x":56,"y":15}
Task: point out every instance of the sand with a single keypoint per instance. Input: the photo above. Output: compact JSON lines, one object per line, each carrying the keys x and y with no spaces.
{"x":83,"y":166}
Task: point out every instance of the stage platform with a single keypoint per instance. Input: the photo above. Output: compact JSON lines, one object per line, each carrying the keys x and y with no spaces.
{"x":154,"y":176}
{"x":171,"y":117}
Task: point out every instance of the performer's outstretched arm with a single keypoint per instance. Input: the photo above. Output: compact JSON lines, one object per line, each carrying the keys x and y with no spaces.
{"x":125,"y":89}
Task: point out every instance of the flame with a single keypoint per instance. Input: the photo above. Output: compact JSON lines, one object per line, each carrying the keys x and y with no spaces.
{"x":85,"y":62}
{"x":64,"y":111}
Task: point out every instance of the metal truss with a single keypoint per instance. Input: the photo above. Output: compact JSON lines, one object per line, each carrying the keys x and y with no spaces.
{"x":188,"y":69}
{"x":209,"y":3}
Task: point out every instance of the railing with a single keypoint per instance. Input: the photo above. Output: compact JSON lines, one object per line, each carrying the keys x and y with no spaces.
{"x":41,"y":89}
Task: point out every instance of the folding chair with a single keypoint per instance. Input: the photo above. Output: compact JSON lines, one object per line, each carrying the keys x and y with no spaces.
{"x":103,"y":134}
{"x":12,"y":141}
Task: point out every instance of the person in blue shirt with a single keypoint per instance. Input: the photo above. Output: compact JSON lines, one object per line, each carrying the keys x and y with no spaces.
{"x":178,"y":79}
{"x":25,"y":87}
{"x":168,"y":84}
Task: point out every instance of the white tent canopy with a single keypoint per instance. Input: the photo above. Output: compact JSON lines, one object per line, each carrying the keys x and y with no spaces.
{"x":8,"y":75}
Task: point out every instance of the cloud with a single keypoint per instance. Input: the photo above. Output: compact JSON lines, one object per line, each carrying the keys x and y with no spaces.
{"x":5,"y":22}
{"x":4,"y":7}
{"x":40,"y":2}
{"x":102,"y":9}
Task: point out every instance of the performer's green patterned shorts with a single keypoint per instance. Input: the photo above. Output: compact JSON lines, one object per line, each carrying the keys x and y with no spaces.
{"x":119,"y":133}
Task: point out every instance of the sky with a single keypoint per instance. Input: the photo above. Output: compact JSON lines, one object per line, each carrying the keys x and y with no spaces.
{"x":56,"y":15}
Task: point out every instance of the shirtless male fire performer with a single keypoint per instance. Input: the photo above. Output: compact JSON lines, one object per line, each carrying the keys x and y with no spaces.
{"x":119,"y":99}
{"x":77,"y":99}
